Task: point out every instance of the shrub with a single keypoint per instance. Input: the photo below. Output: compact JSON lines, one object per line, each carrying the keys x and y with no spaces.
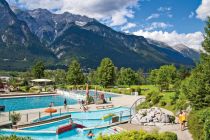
{"x":90,"y":99}
{"x":199,"y":124}
{"x":155,"y":98}
{"x":15,"y":117}
{"x":143,"y":105}
{"x":139,"y":135}
{"x":14,"y":137}
{"x":162,"y":103}
{"x":168,"y":136}
{"x":108,"y":116}
{"x":138,"y":89}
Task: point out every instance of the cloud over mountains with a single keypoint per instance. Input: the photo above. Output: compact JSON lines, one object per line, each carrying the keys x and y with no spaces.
{"x":203,"y":10}
{"x":114,"y":12}
{"x":192,"y":40}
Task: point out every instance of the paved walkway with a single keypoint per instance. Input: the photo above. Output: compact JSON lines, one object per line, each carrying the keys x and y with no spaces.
{"x":182,"y":135}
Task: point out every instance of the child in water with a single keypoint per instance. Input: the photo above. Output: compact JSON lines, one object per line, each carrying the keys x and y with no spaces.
{"x":90,"y":134}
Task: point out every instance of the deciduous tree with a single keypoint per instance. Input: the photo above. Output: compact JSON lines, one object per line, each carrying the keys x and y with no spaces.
{"x":38,"y":70}
{"x":106,"y":72}
{"x":75,"y":75}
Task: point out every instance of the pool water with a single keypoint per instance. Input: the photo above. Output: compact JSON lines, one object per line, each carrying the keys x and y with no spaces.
{"x":32,"y":102}
{"x":91,"y":114}
{"x":88,"y":119}
{"x":76,"y":134}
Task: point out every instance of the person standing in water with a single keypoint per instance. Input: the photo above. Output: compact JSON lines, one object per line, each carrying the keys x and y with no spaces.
{"x":90,"y":134}
{"x":70,"y":120}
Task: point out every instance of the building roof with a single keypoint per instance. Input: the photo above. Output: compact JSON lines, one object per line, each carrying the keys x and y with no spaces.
{"x":41,"y":80}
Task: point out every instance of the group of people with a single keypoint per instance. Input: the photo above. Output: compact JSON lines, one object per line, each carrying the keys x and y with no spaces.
{"x":82,"y":105}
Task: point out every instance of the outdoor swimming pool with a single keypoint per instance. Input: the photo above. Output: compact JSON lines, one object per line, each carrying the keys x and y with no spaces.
{"x":88,"y":119}
{"x":76,"y":134}
{"x":32,"y":102}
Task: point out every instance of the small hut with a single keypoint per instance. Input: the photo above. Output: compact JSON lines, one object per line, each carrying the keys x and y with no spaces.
{"x":42,"y":84}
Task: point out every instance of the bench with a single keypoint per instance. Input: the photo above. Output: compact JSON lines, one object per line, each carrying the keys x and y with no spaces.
{"x":100,"y":107}
{"x":109,"y":106}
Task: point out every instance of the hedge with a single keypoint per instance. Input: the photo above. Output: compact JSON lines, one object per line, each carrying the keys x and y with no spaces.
{"x":139,"y":135}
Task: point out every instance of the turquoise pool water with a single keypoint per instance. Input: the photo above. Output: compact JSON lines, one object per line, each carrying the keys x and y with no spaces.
{"x":88,"y":119}
{"x":76,"y":134}
{"x":92,"y":114}
{"x":32,"y":102}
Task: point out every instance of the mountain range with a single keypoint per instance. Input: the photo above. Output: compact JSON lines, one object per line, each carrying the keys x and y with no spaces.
{"x":29,"y":35}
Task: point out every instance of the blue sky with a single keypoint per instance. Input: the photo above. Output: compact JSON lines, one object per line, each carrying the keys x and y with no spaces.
{"x":171,"y":21}
{"x":180,"y":14}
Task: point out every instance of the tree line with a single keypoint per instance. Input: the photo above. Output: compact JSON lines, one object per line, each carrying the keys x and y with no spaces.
{"x":105,"y":75}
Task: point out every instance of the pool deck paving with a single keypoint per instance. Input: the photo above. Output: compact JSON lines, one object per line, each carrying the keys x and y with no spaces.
{"x":28,"y":116}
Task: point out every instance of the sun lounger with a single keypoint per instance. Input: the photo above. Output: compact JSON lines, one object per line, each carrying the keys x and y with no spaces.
{"x":109,"y":106}
{"x":100,"y":107}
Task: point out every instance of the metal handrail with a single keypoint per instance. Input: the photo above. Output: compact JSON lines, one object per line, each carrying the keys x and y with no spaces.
{"x":133,"y":106}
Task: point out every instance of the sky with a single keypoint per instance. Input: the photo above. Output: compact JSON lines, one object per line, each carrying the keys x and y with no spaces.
{"x":171,"y":21}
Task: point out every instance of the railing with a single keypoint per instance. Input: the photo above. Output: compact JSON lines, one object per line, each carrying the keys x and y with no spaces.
{"x":32,"y":116}
{"x":134,"y":105}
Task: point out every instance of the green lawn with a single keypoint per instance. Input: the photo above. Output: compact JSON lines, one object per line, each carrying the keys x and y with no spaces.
{"x":166,"y":96}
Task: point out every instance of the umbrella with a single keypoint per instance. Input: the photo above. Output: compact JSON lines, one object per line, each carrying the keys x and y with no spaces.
{"x":50,"y":110}
{"x":87,"y":90}
{"x":95,"y":94}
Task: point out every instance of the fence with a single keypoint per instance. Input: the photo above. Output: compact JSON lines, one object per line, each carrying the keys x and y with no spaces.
{"x":27,"y":117}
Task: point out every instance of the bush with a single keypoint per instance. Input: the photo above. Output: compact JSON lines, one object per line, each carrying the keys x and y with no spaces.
{"x":168,"y":136}
{"x":207,"y":129}
{"x":144,"y":105}
{"x":199,"y":125}
{"x":138,"y":89}
{"x":15,"y":117}
{"x":108,"y":116}
{"x":14,"y":137}
{"x":162,"y":103}
{"x":155,"y":98}
{"x":139,"y":135}
{"x":90,"y":99}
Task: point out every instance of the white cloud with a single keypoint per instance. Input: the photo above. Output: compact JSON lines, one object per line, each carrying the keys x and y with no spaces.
{"x":128,"y":26}
{"x":157,"y":25}
{"x":164,"y":9}
{"x":116,"y":12}
{"x":191,"y":15}
{"x":192,"y":40}
{"x":203,"y":10}
{"x":170,"y":15}
{"x":155,"y":15}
